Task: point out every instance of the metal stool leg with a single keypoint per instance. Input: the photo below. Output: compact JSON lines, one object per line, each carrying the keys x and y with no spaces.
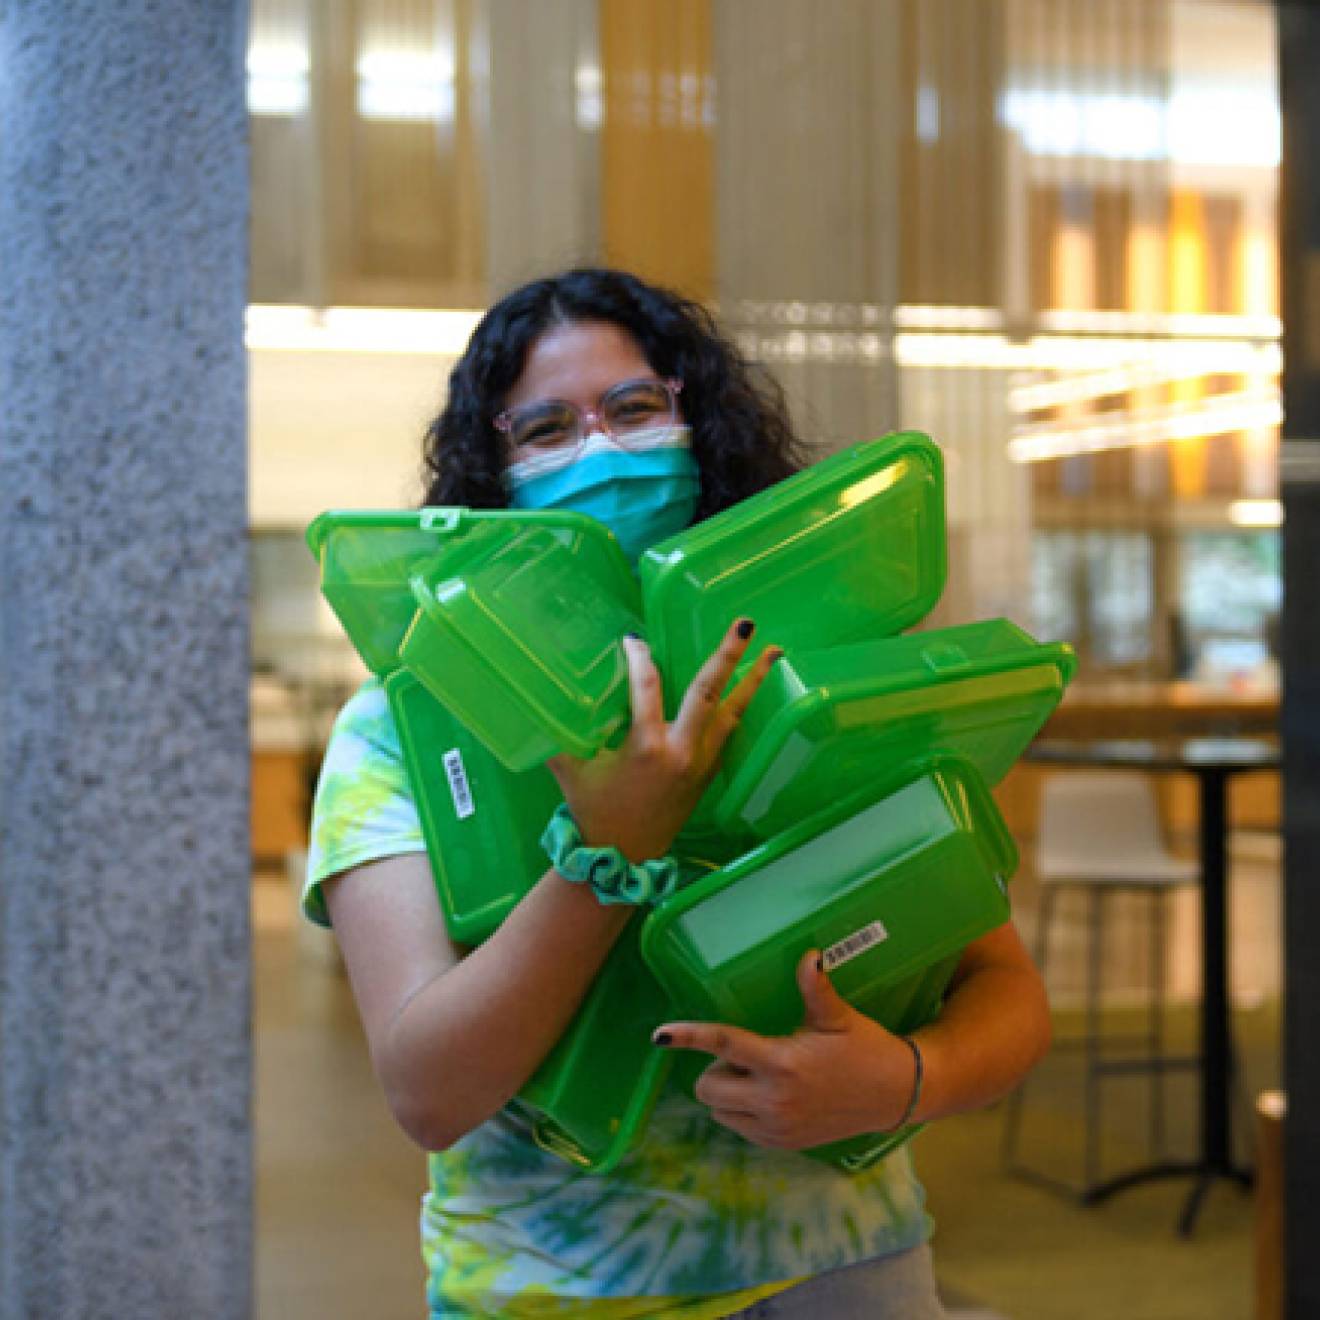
{"x":1156,"y":1043}
{"x":1013,"y":1105}
{"x":1093,"y":1038}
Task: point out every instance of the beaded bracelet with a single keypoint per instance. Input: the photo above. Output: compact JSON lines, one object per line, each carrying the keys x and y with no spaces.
{"x":918,"y":1077}
{"x":612,"y":877}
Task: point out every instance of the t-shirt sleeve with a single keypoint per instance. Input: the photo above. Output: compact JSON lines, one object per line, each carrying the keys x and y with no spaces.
{"x":363,"y":809}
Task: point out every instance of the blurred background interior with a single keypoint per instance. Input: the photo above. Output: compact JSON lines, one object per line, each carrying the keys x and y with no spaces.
{"x":1042,"y":231}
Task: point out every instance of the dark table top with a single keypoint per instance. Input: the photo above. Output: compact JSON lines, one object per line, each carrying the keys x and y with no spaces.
{"x":1191,"y":754}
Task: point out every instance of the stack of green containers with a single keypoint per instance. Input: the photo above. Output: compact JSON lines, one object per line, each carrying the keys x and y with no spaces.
{"x":852,"y":811}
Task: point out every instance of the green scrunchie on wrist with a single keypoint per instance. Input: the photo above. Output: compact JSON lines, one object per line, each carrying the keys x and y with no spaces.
{"x":612,"y":877}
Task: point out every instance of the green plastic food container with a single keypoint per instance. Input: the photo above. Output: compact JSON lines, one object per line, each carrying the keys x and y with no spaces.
{"x":850,"y":548}
{"x":889,"y":887}
{"x":519,"y":632}
{"x":482,"y":823}
{"x":366,"y":559}
{"x":825,"y":719}
{"x":369,"y":557}
{"x":590,"y":1099}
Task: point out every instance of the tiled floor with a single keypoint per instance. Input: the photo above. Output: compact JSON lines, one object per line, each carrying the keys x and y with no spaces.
{"x":338,"y":1185}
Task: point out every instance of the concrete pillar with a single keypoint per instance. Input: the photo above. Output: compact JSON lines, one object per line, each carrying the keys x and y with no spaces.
{"x":125,"y":1181}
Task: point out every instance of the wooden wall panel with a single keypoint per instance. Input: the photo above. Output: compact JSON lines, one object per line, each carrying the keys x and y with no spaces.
{"x":657,"y":145}
{"x":280,"y":805}
{"x":1188,"y":279}
{"x":952,"y":172}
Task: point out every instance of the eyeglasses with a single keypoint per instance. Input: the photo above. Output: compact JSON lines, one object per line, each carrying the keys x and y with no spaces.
{"x":623,"y":412}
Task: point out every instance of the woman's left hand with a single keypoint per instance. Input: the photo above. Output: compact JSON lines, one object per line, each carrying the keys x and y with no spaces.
{"x":838,"y":1075}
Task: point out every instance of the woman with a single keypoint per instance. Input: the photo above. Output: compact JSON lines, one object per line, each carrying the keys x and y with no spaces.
{"x":595,"y":391}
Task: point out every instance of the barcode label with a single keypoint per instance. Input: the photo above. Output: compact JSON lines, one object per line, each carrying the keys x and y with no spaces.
{"x":459,"y":788}
{"x":856,"y":943}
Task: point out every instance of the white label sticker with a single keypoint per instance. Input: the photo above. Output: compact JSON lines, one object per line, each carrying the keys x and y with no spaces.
{"x":853,"y":945}
{"x":459,"y":788}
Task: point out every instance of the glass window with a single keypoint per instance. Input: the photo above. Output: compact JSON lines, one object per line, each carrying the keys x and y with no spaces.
{"x":1094,"y":589}
{"x":1230,"y":594}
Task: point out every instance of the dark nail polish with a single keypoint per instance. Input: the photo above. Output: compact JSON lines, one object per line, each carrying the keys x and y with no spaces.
{"x":820,"y":964}
{"x":636,"y":637}
{"x":745,"y":627}
{"x":662,"y":1038}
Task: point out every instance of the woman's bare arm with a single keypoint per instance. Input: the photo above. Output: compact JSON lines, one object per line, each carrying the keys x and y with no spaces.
{"x":454,"y":1037}
{"x":994,"y":1027}
{"x":455,"y":1034}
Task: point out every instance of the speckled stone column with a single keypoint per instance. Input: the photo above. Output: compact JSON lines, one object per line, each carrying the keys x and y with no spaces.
{"x":125,"y":1182}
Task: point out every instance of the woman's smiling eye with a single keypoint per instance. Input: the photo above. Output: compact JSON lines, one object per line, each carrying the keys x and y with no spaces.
{"x":637,"y":403}
{"x":631,"y":409}
{"x":544,"y":426}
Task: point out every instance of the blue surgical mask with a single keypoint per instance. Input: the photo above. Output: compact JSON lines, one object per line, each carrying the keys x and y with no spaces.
{"x":642,"y":494}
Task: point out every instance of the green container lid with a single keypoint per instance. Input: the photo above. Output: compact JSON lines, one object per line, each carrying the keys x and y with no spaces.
{"x":366,"y":558}
{"x":521,"y":636}
{"x":482,"y":823}
{"x":891,"y":890}
{"x":369,"y":557}
{"x":852,"y":547}
{"x":825,"y":719}
{"x":592,"y":1095}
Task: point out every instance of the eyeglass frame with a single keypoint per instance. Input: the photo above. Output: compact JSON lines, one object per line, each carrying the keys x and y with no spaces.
{"x":503,"y":421}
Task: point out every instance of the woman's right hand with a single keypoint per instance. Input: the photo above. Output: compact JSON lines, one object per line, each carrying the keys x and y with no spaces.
{"x":454,"y":1035}
{"x":637,"y":796}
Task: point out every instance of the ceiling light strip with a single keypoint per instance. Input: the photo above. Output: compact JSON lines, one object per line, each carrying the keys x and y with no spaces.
{"x":1229,"y":413}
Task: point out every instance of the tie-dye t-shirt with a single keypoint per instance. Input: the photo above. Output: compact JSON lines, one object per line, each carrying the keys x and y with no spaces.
{"x":696,"y":1222}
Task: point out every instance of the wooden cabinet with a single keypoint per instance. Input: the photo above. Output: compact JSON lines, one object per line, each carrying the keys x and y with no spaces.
{"x":281,"y":801}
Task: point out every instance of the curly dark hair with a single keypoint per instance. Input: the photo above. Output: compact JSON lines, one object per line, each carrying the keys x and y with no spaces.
{"x":742,"y":439}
